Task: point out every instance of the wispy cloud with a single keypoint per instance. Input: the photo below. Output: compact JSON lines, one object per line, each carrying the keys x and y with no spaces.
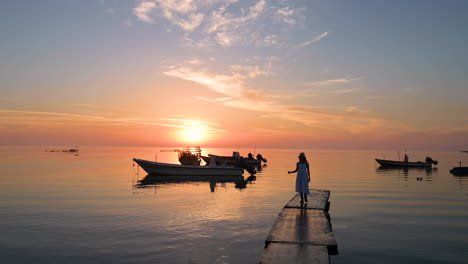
{"x":18,"y":116}
{"x":213,"y":100}
{"x":228,"y":85}
{"x":192,"y":121}
{"x":223,"y":22}
{"x":180,"y":6}
{"x":205,"y":43}
{"x":288,"y":15}
{"x":225,"y":39}
{"x":331,"y":82}
{"x":313,"y":40}
{"x":231,"y":86}
{"x":332,"y":86}
{"x":143,"y":10}
{"x":267,"y":131}
{"x":343,"y":91}
{"x":181,"y":13}
{"x":236,"y":94}
{"x":225,"y":26}
{"x":252,"y":71}
{"x":8,"y":111}
{"x":195,"y":62}
{"x":271,"y":40}
{"x":187,"y":23}
{"x":354,"y":109}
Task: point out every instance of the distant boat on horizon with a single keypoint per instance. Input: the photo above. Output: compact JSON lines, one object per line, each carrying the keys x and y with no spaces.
{"x":73,"y":149}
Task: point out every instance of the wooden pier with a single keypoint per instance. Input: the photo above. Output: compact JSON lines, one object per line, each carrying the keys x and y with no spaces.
{"x":302,"y":233}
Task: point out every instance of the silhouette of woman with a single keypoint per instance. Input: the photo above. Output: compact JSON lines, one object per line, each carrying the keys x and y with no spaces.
{"x":303,"y":177}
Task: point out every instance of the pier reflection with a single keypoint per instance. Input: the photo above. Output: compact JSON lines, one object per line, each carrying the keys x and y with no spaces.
{"x":150,"y":181}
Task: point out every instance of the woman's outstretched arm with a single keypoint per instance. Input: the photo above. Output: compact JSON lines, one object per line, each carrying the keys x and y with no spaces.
{"x":308,"y":171}
{"x":297,"y":167}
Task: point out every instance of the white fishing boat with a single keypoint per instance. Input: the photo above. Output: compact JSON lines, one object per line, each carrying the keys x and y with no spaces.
{"x":407,"y":164}
{"x":159,"y":168}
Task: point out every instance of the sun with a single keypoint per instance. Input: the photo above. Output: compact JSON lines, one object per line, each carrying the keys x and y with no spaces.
{"x":193,"y":135}
{"x":193,"y":132}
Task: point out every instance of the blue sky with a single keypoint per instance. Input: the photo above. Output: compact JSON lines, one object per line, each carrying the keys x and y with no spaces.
{"x":347,"y":68}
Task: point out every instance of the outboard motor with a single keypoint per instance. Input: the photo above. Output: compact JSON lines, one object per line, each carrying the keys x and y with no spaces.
{"x":249,"y":168}
{"x":260,"y":157}
{"x":430,"y":160}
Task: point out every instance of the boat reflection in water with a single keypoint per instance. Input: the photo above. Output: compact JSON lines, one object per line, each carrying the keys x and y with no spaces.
{"x":405,"y":172}
{"x":152,"y":180}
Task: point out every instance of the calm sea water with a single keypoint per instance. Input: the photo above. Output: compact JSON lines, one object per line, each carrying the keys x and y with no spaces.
{"x":62,"y":208}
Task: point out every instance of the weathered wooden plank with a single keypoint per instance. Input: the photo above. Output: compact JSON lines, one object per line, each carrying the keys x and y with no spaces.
{"x":277,"y":253}
{"x":303,"y":226}
{"x":317,"y":199}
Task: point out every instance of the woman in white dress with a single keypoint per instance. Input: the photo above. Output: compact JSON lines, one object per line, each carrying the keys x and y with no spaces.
{"x":303,"y":177}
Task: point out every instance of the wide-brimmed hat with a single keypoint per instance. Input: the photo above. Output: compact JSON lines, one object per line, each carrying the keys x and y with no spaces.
{"x":301,"y":155}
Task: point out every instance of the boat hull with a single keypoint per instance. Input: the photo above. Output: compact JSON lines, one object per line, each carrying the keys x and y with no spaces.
{"x":402,"y":164}
{"x":231,"y":160}
{"x":221,"y":160}
{"x":252,"y":162}
{"x":186,"y":170}
{"x":459,"y":171}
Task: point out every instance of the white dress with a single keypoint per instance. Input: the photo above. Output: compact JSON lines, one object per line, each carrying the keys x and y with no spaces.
{"x":302,"y":179}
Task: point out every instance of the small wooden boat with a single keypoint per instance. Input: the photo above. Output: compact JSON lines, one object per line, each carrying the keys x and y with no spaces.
{"x":222,"y":160}
{"x":235,"y":160}
{"x":407,"y":164}
{"x":74,"y":149}
{"x":403,"y":164}
{"x":459,"y":171}
{"x":159,"y":168}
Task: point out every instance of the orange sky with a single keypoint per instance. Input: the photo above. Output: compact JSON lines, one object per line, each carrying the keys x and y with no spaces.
{"x":48,"y":129}
{"x":235,"y":73}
